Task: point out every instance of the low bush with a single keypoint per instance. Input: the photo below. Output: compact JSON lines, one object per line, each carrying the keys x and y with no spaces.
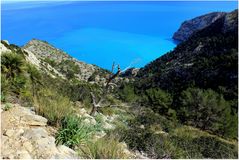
{"x":208,"y":110}
{"x":205,"y":147}
{"x":104,"y":148}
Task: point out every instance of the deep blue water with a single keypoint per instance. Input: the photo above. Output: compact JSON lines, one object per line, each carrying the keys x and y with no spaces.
{"x":129,"y":33}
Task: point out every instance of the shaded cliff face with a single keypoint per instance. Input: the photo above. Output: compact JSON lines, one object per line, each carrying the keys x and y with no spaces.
{"x":189,"y":27}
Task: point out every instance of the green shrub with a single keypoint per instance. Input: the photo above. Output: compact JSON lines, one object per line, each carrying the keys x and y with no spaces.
{"x":12,"y":64}
{"x":73,"y":132}
{"x":5,"y":87}
{"x":147,"y":117}
{"x":104,"y":148}
{"x":127,"y":93}
{"x":156,"y":146}
{"x":159,"y":99}
{"x":69,"y":68}
{"x":50,"y":61}
{"x":211,"y":147}
{"x":205,"y":146}
{"x":19,"y":84}
{"x":207,"y":110}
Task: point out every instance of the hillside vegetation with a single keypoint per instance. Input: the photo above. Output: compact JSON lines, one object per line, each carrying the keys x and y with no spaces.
{"x":181,"y":105}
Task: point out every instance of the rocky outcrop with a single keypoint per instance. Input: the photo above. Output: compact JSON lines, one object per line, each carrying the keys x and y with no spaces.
{"x":3,"y":48}
{"x":26,"y":135}
{"x":189,"y":27}
{"x":43,"y":49}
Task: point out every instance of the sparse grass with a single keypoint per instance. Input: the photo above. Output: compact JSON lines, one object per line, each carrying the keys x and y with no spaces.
{"x":104,"y":148}
{"x":53,"y":106}
{"x":200,"y":144}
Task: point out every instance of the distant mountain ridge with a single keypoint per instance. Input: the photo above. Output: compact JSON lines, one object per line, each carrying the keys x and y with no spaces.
{"x":190,"y":27}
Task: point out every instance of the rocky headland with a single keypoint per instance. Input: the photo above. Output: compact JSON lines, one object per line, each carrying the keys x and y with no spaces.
{"x":190,"y":27}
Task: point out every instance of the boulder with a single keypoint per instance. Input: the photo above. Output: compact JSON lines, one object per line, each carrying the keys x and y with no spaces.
{"x":9,"y":132}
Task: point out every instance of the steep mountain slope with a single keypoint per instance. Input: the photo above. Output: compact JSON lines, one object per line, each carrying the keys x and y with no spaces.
{"x":208,"y":59}
{"x":68,"y":66}
{"x":179,"y":83}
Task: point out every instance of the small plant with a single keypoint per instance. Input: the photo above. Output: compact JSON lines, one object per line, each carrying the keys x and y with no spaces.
{"x":73,"y":132}
{"x":104,"y":148}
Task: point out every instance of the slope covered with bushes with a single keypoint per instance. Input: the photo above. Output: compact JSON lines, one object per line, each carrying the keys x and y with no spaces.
{"x":196,"y":83}
{"x":182,"y":105}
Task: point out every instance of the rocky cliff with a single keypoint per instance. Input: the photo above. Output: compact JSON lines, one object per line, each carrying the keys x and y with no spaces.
{"x":190,"y":27}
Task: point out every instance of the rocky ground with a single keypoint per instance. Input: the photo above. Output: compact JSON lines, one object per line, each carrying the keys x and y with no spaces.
{"x":26,"y":135}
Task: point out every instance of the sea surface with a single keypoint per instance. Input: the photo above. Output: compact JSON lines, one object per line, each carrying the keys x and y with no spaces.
{"x":130,"y":33}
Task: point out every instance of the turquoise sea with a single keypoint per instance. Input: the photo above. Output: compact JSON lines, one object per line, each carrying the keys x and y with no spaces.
{"x":129,"y":33}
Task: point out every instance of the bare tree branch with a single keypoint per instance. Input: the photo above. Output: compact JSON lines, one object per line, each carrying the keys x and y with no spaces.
{"x":97,"y":105}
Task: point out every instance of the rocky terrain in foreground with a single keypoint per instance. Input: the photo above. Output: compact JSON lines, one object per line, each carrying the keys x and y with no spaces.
{"x":26,"y":135}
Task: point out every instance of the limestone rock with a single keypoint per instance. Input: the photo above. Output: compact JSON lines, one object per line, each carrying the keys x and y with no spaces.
{"x":34,"y":120}
{"x":9,"y":132}
{"x":21,"y":140}
{"x":3,"y":48}
{"x":66,"y":151}
{"x":28,"y":146}
{"x":23,"y":155}
{"x":35,"y":133}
